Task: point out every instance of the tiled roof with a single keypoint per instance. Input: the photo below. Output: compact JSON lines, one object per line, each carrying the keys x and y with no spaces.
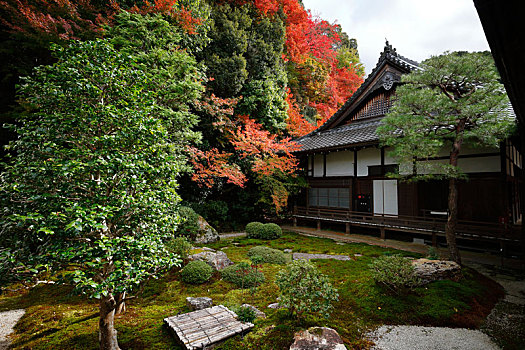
{"x":389,"y":54}
{"x":357,"y":132}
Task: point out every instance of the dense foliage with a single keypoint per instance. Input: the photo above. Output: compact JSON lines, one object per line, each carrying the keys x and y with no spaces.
{"x":274,"y":71}
{"x":179,"y":246}
{"x":395,"y":273}
{"x":455,"y":99}
{"x":196,"y":272}
{"x":263,"y":231}
{"x":92,"y":188}
{"x":304,"y":290}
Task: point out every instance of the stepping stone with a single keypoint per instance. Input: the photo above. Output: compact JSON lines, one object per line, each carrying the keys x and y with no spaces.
{"x":275,"y":306}
{"x":306,"y":256}
{"x":288,"y":251}
{"x":202,"y":328}
{"x":198,"y":303}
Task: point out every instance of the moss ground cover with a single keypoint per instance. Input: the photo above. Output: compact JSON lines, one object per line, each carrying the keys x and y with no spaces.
{"x":59,"y":320}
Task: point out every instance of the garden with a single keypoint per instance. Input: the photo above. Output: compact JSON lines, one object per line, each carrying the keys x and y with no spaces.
{"x":57,"y":318}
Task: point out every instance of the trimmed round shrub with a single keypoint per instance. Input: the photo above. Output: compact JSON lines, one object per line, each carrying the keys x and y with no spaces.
{"x":196,"y":272}
{"x":270,"y":231}
{"x":243,"y":275}
{"x":180,"y":246}
{"x":253,"y":229}
{"x":268,"y":255}
{"x":395,"y":273}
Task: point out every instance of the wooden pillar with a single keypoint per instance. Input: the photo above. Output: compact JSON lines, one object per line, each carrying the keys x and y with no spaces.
{"x":434,"y":239}
{"x":347,"y":229}
{"x":383,"y":234}
{"x":318,"y":225}
{"x":294,"y":222}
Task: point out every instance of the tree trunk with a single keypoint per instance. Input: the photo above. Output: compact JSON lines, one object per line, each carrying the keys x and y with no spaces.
{"x":450,"y":229}
{"x":108,"y":333}
{"x":120,"y":308}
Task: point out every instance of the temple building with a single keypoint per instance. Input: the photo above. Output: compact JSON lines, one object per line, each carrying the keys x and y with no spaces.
{"x":346,"y":170}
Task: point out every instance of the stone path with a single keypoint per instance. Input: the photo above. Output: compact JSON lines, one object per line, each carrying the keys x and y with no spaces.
{"x":307,"y":256}
{"x":232,"y":235}
{"x":430,"y":338}
{"x":8,"y":320}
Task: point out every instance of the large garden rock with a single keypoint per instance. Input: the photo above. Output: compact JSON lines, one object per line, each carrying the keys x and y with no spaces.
{"x":199,"y":303}
{"x":317,"y":338}
{"x":206,"y":234}
{"x":436,"y":270}
{"x":258,"y":313}
{"x":218,"y":260}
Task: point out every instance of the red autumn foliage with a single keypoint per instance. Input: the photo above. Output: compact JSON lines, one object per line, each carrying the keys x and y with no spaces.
{"x":212,"y":164}
{"x":296,"y":124}
{"x":46,"y":20}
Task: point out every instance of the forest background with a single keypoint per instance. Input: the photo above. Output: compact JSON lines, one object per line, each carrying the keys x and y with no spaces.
{"x":272,"y":72}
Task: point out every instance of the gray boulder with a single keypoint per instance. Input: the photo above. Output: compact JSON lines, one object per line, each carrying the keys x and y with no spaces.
{"x":218,"y":260}
{"x":206,"y":234}
{"x":436,"y":270}
{"x":317,"y":338}
{"x":199,"y":303}
{"x":258,"y":313}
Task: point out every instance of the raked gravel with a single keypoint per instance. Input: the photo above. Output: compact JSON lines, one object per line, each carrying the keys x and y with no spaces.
{"x":8,"y":320}
{"x":429,"y":338}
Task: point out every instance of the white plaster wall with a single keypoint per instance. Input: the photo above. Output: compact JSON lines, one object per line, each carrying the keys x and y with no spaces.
{"x":318,"y":165}
{"x":366,"y":157}
{"x":480,"y":165}
{"x":388,"y":158}
{"x":340,"y":163}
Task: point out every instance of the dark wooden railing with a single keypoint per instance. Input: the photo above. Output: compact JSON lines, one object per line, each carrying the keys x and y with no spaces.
{"x":416,"y":224}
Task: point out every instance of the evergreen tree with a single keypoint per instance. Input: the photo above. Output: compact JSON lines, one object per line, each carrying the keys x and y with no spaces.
{"x":455,"y":98}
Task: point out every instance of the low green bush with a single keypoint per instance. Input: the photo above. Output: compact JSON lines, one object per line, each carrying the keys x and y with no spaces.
{"x":270,"y":231}
{"x":189,"y":226}
{"x":180,"y":246}
{"x":432,"y":253}
{"x":196,"y":272}
{"x":304,"y":290}
{"x":242,"y":275}
{"x":253,"y":229}
{"x":267,"y":255}
{"x":245,"y":314}
{"x":395,"y":273}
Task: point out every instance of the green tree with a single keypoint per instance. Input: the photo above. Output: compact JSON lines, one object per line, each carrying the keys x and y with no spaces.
{"x":91,"y":192}
{"x":455,"y":98}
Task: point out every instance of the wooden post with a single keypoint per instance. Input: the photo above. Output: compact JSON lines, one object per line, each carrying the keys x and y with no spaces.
{"x":318,"y":225}
{"x":383,"y":235}
{"x":434,"y":239}
{"x":347,"y":230}
{"x":294,"y":222}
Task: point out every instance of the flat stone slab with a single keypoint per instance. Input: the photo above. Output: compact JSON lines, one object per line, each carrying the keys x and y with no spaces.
{"x":202,"y":328}
{"x":198,"y":303}
{"x":306,"y":256}
{"x":429,"y":338}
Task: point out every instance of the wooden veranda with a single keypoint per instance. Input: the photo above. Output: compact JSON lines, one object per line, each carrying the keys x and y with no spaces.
{"x":431,"y":226}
